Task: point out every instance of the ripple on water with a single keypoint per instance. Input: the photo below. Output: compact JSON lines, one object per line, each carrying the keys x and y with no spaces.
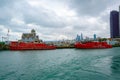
{"x":116,"y":64}
{"x":65,"y":64}
{"x":7,"y":75}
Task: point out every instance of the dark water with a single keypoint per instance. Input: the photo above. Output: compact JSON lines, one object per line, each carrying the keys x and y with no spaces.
{"x":61,"y":64}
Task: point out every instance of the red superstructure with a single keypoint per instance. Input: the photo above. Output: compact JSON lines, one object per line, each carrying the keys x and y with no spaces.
{"x":15,"y":45}
{"x":92,"y":45}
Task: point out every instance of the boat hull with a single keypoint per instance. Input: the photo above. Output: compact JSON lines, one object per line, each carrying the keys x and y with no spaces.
{"x":30,"y":46}
{"x":92,"y":45}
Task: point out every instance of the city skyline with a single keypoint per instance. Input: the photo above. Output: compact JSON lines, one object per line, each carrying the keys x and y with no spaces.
{"x":59,"y":19}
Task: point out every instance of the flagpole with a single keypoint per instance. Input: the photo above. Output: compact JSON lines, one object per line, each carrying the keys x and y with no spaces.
{"x":8,"y":34}
{"x":2,"y":38}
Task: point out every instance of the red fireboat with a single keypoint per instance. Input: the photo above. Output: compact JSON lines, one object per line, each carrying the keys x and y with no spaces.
{"x":15,"y":45}
{"x":30,"y":41}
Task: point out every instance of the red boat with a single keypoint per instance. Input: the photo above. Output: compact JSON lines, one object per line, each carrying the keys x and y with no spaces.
{"x":92,"y":45}
{"x":16,"y":45}
{"x":30,"y":41}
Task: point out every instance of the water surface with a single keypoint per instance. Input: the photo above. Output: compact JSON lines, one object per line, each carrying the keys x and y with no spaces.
{"x":61,"y":64}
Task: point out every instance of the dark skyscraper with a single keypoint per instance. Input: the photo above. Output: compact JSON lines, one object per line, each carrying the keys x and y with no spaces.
{"x":114,"y":24}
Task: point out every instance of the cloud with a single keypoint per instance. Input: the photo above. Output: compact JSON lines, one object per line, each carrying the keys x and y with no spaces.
{"x":57,"y":19}
{"x":4,"y":3}
{"x":90,"y":7}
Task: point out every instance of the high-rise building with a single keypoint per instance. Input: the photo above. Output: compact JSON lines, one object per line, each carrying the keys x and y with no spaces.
{"x":78,"y":38}
{"x":119,"y":21}
{"x":81,"y":36}
{"x":95,"y":37}
{"x":114,"y":24}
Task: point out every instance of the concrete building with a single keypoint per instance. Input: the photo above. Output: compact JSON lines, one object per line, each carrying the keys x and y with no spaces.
{"x":30,"y":37}
{"x":114,"y":24}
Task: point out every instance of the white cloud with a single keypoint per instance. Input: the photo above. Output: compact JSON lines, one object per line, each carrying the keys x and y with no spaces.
{"x":56,"y":19}
{"x":17,"y":21}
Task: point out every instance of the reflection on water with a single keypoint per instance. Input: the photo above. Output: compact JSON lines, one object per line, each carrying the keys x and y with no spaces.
{"x":116,"y":64}
{"x":115,"y":67}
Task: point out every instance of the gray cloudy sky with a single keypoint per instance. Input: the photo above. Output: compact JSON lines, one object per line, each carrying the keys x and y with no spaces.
{"x":56,"y":19}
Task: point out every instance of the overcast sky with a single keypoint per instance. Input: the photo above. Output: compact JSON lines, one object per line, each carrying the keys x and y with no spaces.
{"x":56,"y":19}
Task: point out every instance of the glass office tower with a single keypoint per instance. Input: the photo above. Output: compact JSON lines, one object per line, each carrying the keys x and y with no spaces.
{"x":114,"y":24}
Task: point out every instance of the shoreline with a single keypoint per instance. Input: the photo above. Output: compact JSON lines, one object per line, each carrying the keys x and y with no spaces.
{"x":6,"y":47}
